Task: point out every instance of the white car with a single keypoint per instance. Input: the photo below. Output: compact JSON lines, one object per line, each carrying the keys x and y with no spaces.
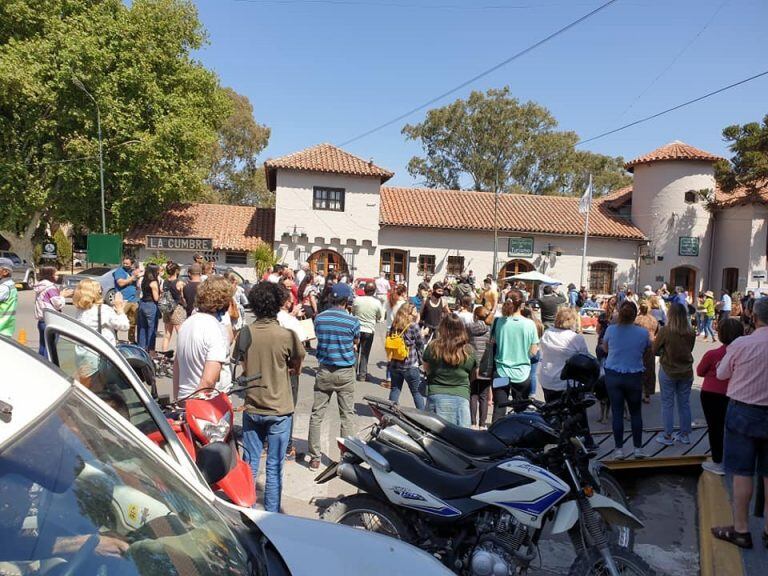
{"x":85,"y":493}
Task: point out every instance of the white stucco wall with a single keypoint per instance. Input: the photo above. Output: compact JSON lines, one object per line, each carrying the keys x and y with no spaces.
{"x":740,"y":242}
{"x":353,"y":232}
{"x":660,"y":211}
{"x":477,"y":250}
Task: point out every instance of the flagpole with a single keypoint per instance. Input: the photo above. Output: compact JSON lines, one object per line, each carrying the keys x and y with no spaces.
{"x":586,"y":234}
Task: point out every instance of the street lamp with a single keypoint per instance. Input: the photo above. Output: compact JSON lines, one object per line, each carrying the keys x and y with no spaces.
{"x":77,"y":82}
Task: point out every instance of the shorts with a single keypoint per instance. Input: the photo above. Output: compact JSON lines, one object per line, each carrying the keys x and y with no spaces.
{"x":746,"y":440}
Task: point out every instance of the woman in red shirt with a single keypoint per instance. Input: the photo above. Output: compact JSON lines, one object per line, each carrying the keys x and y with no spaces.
{"x":714,"y":401}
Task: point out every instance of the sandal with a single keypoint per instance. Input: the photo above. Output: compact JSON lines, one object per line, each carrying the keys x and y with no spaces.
{"x":729,"y":534}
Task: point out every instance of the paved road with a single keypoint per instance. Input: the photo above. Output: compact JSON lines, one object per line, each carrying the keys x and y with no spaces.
{"x":664,"y":499}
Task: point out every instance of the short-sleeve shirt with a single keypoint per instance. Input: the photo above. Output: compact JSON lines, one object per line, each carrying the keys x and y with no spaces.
{"x":626,"y":347}
{"x":201,"y":339}
{"x":129,"y":292}
{"x":727,"y":304}
{"x":369,"y":311}
{"x":514,"y":336}
{"x":443,"y":378}
{"x":336,"y":331}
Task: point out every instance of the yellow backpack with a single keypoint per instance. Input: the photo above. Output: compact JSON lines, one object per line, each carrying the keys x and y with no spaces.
{"x":395,"y":347}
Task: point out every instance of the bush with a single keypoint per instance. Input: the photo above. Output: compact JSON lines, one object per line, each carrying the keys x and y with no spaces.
{"x":63,"y":247}
{"x":263,"y":258}
{"x":158,"y":258}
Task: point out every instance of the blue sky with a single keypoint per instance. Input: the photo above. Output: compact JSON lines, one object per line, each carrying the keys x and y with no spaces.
{"x":328,"y":70}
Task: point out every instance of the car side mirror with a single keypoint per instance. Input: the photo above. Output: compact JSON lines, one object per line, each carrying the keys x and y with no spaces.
{"x":215,"y":460}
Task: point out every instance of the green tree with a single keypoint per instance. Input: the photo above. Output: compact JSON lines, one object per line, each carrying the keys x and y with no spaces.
{"x":498,"y":143}
{"x":749,"y":163}
{"x":236,"y":176}
{"x":160,"y":111}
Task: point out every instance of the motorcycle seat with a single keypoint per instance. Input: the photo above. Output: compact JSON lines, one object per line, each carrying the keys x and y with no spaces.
{"x":476,"y":442}
{"x":442,"y":484}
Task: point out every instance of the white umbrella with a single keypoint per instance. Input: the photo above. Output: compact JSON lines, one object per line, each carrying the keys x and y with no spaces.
{"x":534,"y":276}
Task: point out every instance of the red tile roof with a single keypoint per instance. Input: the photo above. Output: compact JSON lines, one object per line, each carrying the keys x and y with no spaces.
{"x":238,"y":228}
{"x":325,"y":158}
{"x":673,"y":151}
{"x":471,"y":210}
{"x":617,"y":198}
{"x":741,"y":196}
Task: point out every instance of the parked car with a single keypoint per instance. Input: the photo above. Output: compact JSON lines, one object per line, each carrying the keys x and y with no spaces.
{"x":102,"y":275}
{"x":23,"y":271}
{"x":83,"y":492}
{"x":244,"y":282}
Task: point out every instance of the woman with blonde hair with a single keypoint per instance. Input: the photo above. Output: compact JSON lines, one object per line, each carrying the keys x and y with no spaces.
{"x":650,"y":323}
{"x":658,"y":310}
{"x":91,"y":311}
{"x":557,"y":345}
{"x":406,"y":323}
{"x":449,"y":362}
{"x":674,"y":346}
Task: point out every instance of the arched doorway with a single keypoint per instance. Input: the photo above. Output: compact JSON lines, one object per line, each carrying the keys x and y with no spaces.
{"x":513,"y":268}
{"x":326,"y":261}
{"x":684,"y":276}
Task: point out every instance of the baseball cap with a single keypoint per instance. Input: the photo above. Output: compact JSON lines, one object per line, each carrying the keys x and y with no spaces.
{"x":6,"y":263}
{"x":341,"y":291}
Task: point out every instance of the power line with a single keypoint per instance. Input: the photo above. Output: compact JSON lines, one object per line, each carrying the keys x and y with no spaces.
{"x":482,"y":74}
{"x":674,"y":60}
{"x":455,"y":7}
{"x":668,"y":110}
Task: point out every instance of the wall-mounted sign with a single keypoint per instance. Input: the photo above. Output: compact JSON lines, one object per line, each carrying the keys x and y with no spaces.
{"x":179,"y":243}
{"x":518,"y":246}
{"x":689,"y":246}
{"x":758,"y":274}
{"x":49,"y":250}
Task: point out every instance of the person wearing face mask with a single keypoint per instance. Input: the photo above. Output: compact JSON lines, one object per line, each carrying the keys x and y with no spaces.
{"x":433,"y":310}
{"x":126,"y":283}
{"x":202,"y":346}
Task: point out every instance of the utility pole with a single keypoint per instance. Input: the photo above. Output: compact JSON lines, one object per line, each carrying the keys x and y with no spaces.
{"x":77,"y":82}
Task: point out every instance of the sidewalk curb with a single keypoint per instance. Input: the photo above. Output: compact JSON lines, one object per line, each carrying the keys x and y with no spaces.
{"x":717,"y":558}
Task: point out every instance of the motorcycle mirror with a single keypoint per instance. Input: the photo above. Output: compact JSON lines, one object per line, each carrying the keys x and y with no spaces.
{"x":214,"y":460}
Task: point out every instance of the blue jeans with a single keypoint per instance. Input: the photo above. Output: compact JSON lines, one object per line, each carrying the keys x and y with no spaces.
{"x":675,"y":389}
{"x":41,"y":349}
{"x":746,"y":440}
{"x":454,"y":409}
{"x":706,"y":326}
{"x":276,"y":431}
{"x":535,"y":359}
{"x":625,"y":387}
{"x":411,"y":375}
{"x":147,"y":325}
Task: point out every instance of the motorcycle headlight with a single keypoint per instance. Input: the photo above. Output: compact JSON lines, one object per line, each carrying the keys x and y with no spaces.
{"x":215,"y":431}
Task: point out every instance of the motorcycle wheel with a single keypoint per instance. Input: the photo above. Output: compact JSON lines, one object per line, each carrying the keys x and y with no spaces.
{"x":367,"y":513}
{"x":621,"y":536}
{"x":590,"y":563}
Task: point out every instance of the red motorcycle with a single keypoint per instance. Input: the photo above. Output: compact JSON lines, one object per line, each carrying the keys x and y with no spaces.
{"x":203,"y":422}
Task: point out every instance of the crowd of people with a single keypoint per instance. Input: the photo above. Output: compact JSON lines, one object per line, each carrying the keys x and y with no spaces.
{"x":462,"y":350}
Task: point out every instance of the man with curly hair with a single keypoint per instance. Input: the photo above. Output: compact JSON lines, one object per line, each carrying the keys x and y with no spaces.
{"x":202,"y":346}
{"x":266,"y":348}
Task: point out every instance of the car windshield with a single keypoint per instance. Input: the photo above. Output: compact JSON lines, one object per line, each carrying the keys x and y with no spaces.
{"x":95,"y":271}
{"x":79,"y":496}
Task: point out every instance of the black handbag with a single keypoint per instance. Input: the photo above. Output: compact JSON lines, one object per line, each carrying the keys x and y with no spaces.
{"x":488,"y":361}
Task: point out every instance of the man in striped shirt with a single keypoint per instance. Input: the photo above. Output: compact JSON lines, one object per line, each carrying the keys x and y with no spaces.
{"x":338,"y":333}
{"x":745,"y":366}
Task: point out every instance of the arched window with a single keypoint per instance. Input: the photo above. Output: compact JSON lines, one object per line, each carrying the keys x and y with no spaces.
{"x":601,"y":277}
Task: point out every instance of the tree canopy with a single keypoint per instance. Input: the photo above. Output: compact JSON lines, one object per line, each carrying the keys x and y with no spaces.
{"x":161,"y":110}
{"x":495,"y":142}
{"x":749,"y":163}
{"x":236,"y":176}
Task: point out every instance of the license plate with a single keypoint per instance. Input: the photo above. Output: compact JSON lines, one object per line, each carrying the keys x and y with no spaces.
{"x":327,"y":474}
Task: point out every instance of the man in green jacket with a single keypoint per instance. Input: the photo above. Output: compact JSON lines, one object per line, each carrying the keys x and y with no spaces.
{"x":9,"y":299}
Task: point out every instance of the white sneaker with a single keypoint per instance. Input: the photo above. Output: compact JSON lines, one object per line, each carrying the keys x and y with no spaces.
{"x":618,"y":454}
{"x":714,"y":468}
{"x":640,"y":454}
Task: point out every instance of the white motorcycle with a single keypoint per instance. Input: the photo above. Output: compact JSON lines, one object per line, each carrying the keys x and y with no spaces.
{"x":486,"y":522}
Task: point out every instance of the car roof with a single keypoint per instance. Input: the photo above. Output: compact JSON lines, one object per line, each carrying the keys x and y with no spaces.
{"x":29,"y":386}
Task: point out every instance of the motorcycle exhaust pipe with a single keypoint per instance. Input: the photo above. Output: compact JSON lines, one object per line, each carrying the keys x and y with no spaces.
{"x":398,"y":439}
{"x":360,"y":478}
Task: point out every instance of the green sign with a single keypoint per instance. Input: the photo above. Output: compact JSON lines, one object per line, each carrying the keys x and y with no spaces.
{"x":105,"y":248}
{"x":689,"y":246}
{"x":520,"y":247}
